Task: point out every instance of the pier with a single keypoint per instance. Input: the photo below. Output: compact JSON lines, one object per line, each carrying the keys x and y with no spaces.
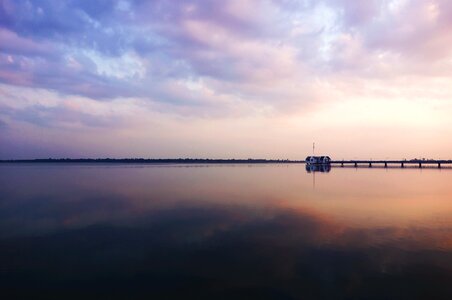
{"x":418,"y":163}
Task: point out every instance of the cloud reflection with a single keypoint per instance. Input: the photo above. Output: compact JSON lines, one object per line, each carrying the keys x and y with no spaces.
{"x":241,"y":232}
{"x":203,"y":252}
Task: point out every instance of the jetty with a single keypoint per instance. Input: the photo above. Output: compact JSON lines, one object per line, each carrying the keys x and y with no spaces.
{"x":419,"y":163}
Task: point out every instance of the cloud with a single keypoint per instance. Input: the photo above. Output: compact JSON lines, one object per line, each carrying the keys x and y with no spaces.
{"x":395,"y":38}
{"x":244,"y":42}
{"x":14,"y":44}
{"x":421,"y":29}
{"x":74,"y":48}
{"x":210,"y":60}
{"x":110,"y":49}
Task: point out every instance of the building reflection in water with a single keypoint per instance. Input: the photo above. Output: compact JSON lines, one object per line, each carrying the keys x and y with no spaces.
{"x":323,"y":168}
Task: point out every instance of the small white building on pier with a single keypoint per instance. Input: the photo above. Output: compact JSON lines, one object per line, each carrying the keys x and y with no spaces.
{"x":318,"y":160}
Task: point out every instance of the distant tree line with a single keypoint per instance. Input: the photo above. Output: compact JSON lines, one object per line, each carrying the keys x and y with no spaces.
{"x":153,"y":160}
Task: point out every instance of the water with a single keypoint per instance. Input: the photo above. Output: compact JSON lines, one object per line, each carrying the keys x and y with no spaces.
{"x":71,"y":231}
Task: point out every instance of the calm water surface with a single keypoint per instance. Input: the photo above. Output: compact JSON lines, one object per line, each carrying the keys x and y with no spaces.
{"x":224,"y":232}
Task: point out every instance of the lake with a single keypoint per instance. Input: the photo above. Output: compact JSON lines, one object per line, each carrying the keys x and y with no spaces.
{"x":270,"y":231}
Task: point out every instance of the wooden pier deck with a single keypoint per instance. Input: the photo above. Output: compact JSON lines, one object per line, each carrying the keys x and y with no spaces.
{"x":420,"y":163}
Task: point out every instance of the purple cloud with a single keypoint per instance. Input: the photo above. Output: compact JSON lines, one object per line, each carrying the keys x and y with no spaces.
{"x":70,"y":48}
{"x":208,"y":60}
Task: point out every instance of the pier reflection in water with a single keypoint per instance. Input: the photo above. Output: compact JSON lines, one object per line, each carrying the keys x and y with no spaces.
{"x":222,"y":232}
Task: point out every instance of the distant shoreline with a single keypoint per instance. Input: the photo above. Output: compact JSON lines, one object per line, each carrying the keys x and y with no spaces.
{"x":155,"y":161}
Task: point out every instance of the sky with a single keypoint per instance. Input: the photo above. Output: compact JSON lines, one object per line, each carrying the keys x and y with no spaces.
{"x":226,"y":79}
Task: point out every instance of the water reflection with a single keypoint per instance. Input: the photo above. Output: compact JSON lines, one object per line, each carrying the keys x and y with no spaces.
{"x":224,"y":232}
{"x":324,"y":168}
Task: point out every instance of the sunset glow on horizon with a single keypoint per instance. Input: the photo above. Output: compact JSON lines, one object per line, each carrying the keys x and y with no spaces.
{"x":226,"y":79}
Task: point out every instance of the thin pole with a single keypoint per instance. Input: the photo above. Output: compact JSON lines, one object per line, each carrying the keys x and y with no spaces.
{"x":313,"y":180}
{"x":313,"y":149}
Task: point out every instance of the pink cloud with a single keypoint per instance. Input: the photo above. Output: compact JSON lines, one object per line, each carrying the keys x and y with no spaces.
{"x":10,"y":42}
